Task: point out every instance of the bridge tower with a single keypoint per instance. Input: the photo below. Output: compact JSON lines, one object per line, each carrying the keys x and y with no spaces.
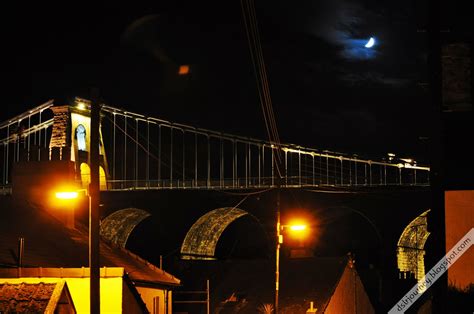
{"x":71,"y":140}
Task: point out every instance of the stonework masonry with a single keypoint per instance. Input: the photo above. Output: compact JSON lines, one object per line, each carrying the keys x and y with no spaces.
{"x":59,"y":137}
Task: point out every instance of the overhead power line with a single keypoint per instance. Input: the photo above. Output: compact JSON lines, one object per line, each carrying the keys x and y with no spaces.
{"x":258,"y":62}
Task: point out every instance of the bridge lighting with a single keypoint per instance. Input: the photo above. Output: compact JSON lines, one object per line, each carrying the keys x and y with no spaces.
{"x":408,"y":160}
{"x":81,"y":106}
{"x":297,"y":151}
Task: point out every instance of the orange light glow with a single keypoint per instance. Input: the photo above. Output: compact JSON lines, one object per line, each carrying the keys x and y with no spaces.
{"x":66,"y":195}
{"x":298,"y":227}
{"x":183,"y":69}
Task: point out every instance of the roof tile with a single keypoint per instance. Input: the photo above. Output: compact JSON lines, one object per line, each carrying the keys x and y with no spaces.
{"x":25,"y":297}
{"x":48,"y":243}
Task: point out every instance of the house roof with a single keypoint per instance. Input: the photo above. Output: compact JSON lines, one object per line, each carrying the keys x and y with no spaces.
{"x":41,"y":272}
{"x":29,"y":297}
{"x":248,"y":284}
{"x":48,"y":243}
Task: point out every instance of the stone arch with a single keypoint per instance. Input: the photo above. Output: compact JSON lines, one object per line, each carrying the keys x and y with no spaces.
{"x":201,"y":240}
{"x":410,"y":247}
{"x":118,"y":226}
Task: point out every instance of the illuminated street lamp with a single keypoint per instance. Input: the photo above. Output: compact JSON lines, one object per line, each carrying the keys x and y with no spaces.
{"x":93,"y":194}
{"x":66,"y":195}
{"x":297,"y":229}
{"x":69,"y":195}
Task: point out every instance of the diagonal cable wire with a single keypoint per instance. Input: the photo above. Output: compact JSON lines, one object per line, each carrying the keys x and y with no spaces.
{"x":251,"y":27}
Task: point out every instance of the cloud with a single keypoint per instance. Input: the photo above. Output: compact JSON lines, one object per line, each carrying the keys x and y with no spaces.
{"x":354,"y":49}
{"x":373,"y":77}
{"x":343,"y":24}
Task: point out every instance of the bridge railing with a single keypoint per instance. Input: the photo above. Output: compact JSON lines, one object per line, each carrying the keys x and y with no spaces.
{"x":24,"y":137}
{"x":145,"y":152}
{"x":149,"y":153}
{"x":250,"y":183}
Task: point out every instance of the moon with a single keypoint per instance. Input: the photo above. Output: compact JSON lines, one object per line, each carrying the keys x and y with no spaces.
{"x":370,"y":43}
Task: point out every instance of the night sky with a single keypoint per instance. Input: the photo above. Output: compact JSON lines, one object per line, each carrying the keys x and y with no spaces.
{"x":328,"y":91}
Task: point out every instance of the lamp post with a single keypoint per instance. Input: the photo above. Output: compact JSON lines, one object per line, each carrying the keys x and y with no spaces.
{"x":280,"y":228}
{"x":93,"y":194}
{"x":279,"y":241}
{"x":94,"y":276}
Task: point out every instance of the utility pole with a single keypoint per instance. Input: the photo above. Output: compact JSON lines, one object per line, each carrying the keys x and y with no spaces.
{"x":277,"y":253}
{"x":279,"y":237}
{"x":94,"y":200}
{"x":437,"y":216}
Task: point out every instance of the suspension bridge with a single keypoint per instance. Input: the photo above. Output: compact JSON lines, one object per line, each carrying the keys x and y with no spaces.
{"x":141,"y":152}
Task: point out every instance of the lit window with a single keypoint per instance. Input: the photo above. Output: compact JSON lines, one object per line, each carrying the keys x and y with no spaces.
{"x":81,"y":137}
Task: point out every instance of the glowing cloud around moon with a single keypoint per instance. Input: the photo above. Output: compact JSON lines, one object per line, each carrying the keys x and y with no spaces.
{"x":370,"y":43}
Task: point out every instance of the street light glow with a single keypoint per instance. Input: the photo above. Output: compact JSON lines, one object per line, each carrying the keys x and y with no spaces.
{"x":300,"y":230}
{"x":298,"y":227}
{"x":66,"y":195}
